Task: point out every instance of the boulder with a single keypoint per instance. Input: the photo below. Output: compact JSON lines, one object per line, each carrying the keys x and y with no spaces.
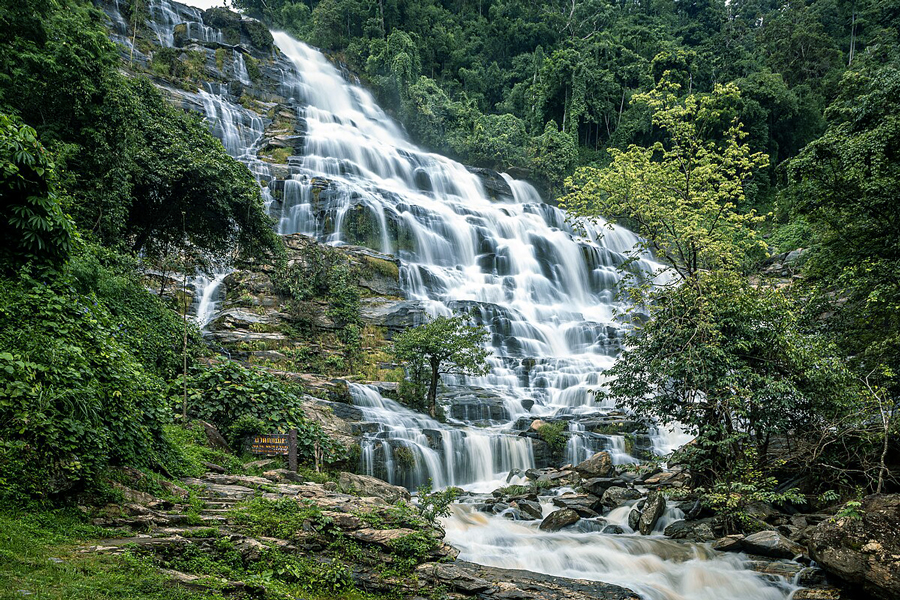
{"x":599,"y":465}
{"x":634,"y":519}
{"x":653,"y":510}
{"x":365,"y":485}
{"x":729,"y":543}
{"x":697,"y":531}
{"x":772,"y":544}
{"x":598,"y":485}
{"x":616,"y":496}
{"x":863,"y":549}
{"x":528,"y":509}
{"x":559,"y":519}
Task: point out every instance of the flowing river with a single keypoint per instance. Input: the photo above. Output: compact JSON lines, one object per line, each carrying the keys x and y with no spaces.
{"x":472,"y":242}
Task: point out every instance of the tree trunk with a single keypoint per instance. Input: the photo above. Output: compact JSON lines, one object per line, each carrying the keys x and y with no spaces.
{"x":432,"y":388}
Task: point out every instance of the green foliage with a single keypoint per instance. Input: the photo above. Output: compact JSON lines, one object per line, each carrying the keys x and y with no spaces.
{"x":434,"y":505}
{"x":324,"y":273}
{"x":554,"y":154}
{"x":552,"y":433}
{"x":845,"y":185}
{"x":730,"y":363}
{"x":851,"y":510}
{"x":32,"y":223}
{"x":139,"y":173}
{"x":285,"y":518}
{"x":444,"y":345}
{"x":731,"y":496}
{"x":75,"y":394}
{"x":234,"y":398}
{"x":683,"y":196}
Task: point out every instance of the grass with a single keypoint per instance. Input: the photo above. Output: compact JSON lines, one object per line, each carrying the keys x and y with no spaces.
{"x":38,"y":559}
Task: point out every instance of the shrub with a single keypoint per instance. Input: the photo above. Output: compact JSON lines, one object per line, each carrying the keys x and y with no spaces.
{"x":234,"y":397}
{"x":73,"y":395}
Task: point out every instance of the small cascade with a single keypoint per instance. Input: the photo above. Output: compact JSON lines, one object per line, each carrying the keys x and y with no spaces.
{"x":210,"y":292}
{"x":410,"y":449}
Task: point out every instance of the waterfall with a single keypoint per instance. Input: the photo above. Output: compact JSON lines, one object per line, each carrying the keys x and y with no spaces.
{"x":542,"y":285}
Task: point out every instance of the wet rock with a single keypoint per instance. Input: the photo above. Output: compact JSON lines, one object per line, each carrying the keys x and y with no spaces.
{"x":598,"y":485}
{"x":634,"y":519}
{"x":697,"y":531}
{"x":528,"y":509}
{"x":394,"y":315}
{"x":559,"y":519}
{"x":613,"y":530}
{"x":616,"y":496}
{"x":492,"y":583}
{"x":496,"y":187}
{"x":372,"y":486}
{"x":586,"y":505}
{"x":864,"y":551}
{"x":772,"y":544}
{"x":599,"y":465}
{"x":652,"y":511}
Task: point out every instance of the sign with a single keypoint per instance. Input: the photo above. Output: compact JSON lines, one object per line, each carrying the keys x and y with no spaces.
{"x":277,"y":444}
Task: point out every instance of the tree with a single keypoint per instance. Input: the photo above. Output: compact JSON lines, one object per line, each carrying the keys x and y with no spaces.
{"x":682,"y":195}
{"x":443,"y":346}
{"x":725,"y":359}
{"x":554,"y":154}
{"x":730,"y":363}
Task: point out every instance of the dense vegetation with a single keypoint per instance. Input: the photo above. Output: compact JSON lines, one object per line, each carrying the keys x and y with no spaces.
{"x":103,"y":181}
{"x":721,"y":132}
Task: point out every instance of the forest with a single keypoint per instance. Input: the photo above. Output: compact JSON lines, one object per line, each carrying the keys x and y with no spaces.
{"x":753,"y":145}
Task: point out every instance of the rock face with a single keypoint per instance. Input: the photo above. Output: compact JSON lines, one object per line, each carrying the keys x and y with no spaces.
{"x":372,"y":486}
{"x":863,"y":551}
{"x":616,"y":496}
{"x":559,"y":519}
{"x":599,"y":465}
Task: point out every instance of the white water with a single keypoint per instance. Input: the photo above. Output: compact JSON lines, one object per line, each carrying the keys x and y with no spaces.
{"x":656,"y":568}
{"x":545,"y":292}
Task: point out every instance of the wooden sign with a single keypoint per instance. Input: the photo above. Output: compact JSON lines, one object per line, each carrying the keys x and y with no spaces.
{"x":277,"y":444}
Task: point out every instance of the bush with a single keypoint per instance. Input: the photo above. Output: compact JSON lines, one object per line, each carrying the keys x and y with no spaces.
{"x":236,"y":398}
{"x":73,"y":396}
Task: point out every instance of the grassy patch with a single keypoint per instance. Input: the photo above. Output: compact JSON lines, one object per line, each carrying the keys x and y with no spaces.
{"x":37,"y":556}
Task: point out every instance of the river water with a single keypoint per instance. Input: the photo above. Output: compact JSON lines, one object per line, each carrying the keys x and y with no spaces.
{"x":545,"y":288}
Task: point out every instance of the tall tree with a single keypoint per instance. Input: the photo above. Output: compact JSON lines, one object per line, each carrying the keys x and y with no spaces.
{"x":443,"y":346}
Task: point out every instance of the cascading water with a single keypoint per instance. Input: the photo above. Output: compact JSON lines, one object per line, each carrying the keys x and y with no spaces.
{"x":544,"y":289}
{"x":546,"y":293}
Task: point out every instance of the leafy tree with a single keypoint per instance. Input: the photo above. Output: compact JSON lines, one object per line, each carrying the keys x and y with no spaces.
{"x":682,"y":195}
{"x":730,"y":363}
{"x":443,"y":346}
{"x":33,"y":225}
